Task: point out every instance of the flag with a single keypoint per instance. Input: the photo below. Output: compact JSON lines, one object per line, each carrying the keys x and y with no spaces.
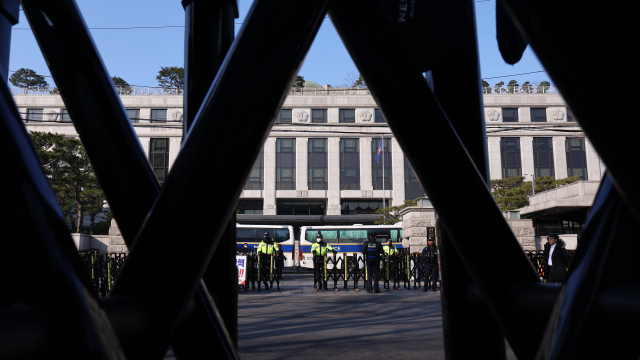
{"x":380,"y":150}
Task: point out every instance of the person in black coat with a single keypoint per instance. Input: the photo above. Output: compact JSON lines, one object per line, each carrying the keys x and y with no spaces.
{"x":430,"y":264}
{"x":555,"y":259}
{"x":371,"y":251}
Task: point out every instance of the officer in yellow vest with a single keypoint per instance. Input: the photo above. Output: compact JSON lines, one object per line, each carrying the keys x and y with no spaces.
{"x":319,"y":250}
{"x":389,"y":249}
{"x":266,"y":248}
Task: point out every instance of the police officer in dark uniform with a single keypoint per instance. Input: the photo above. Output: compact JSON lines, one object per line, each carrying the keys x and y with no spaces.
{"x":430,"y":263}
{"x":279,"y":259}
{"x":371,"y":251}
{"x":266,"y":249}
{"x":244,"y":250}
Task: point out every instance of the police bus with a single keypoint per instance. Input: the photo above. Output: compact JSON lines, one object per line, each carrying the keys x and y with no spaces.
{"x":281,"y":234}
{"x":346,"y":239}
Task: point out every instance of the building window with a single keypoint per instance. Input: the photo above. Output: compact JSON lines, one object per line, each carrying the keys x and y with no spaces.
{"x":510,"y":152}
{"x":357,"y":206}
{"x":317,"y":162}
{"x":377,"y":171}
{"x":64,"y":115}
{"x":378,"y":116}
{"x":249,"y":206}
{"x":159,"y":157}
{"x":509,"y":115}
{"x":256,"y":176}
{"x":300,"y":207}
{"x":543,"y":157}
{"x":347,"y":116}
{"x":134,"y":115}
{"x":284,"y":117}
{"x":285,"y":164}
{"x":349,"y":164}
{"x":538,"y":115}
{"x":319,"y":115}
{"x":576,"y":158}
{"x":34,"y":114}
{"x":412,"y":187}
{"x":570,"y":117}
{"x":159,"y":116}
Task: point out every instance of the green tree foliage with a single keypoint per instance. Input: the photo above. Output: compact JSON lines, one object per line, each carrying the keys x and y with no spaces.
{"x":513,"y":193}
{"x":171,"y":78}
{"x":499,"y":89}
{"x":299,"y":83}
{"x":72,"y":179}
{"x":543,"y":87}
{"x":27,"y":78}
{"x":121,"y":85}
{"x":486,"y":88}
{"x":527,"y":88}
{"x":359,"y":83}
{"x":512,"y":87}
{"x":391,"y":215}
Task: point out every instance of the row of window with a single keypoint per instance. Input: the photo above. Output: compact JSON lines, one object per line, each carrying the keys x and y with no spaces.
{"x":543,"y":157}
{"x":310,"y":207}
{"x":345,"y":116}
{"x":157,"y":115}
{"x":317,"y":165}
{"x":537,"y":115}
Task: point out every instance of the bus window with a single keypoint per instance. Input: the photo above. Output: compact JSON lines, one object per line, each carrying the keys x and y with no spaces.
{"x":245,"y":235}
{"x":327,"y":235}
{"x":394,"y":235}
{"x":353,"y":236}
{"x":381,"y":234}
{"x":282,"y":235}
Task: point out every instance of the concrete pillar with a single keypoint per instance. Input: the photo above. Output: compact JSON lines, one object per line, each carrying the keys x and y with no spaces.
{"x":560,"y":156}
{"x":524,"y":114}
{"x":365,"y":164}
{"x":397,"y":171}
{"x":595,"y":167}
{"x":144,"y":143}
{"x":270,"y":176}
{"x":174,"y":149}
{"x":333,"y":176}
{"x":495,"y":158}
{"x":301,"y":163}
{"x":526,"y":152}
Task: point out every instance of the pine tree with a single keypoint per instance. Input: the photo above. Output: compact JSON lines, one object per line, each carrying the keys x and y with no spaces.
{"x":391,"y":215}
{"x":27,"y":78}
{"x":171,"y":78}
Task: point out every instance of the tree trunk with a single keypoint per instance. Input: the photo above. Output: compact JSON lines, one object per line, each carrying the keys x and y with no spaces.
{"x":79,"y":227}
{"x":91,"y":224}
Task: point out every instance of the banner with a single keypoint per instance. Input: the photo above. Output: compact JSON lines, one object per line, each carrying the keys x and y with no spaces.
{"x":241,"y":263}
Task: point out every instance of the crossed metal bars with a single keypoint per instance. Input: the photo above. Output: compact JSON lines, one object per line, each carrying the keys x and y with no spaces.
{"x":140,"y":320}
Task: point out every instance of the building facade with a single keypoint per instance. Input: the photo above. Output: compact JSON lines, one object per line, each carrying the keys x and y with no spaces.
{"x":320,"y":161}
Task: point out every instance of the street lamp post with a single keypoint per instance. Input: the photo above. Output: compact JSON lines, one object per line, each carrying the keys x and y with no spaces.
{"x":533,"y":182}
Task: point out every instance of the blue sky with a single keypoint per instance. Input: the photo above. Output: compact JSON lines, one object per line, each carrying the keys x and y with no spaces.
{"x":136,"y":55}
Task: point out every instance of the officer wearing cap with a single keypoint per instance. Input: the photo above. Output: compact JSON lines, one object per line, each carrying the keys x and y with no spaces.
{"x":319,"y":250}
{"x":389,"y":249}
{"x":430,"y":264}
{"x":265,"y":248}
{"x":371,"y":251}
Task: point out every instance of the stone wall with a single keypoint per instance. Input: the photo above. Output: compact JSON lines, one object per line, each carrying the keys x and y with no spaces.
{"x":116,"y":241}
{"x":415,"y":221}
{"x":524,"y":232}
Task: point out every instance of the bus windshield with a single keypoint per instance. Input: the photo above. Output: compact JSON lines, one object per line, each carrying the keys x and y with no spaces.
{"x":327,"y":235}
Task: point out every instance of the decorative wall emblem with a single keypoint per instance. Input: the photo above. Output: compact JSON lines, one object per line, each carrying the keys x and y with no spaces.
{"x":365,"y":116}
{"x":557,"y":115}
{"x":176,"y":115}
{"x":493,"y":115}
{"x":51,"y":115}
{"x":302,"y":116}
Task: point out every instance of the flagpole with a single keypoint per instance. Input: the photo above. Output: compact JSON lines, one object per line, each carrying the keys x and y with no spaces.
{"x":384,"y":202}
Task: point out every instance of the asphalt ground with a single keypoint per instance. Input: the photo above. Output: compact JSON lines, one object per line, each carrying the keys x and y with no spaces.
{"x":298,"y":322}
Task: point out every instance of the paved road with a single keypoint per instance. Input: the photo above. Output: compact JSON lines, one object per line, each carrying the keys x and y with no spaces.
{"x":300,"y":323}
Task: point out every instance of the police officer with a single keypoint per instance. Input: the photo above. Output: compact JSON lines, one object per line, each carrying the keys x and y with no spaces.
{"x":371,"y":251}
{"x":319,"y":250}
{"x":389,"y":249}
{"x":265,"y":248}
{"x":430,"y":263}
{"x":244,"y":250}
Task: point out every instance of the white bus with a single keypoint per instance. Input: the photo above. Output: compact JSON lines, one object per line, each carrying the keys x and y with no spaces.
{"x":281,"y":234}
{"x":346,"y":239}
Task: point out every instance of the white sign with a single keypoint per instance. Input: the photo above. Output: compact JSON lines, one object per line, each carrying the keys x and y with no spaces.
{"x":241,"y":262}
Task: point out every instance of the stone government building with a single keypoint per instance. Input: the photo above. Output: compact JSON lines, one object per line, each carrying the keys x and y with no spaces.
{"x":318,"y":163}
